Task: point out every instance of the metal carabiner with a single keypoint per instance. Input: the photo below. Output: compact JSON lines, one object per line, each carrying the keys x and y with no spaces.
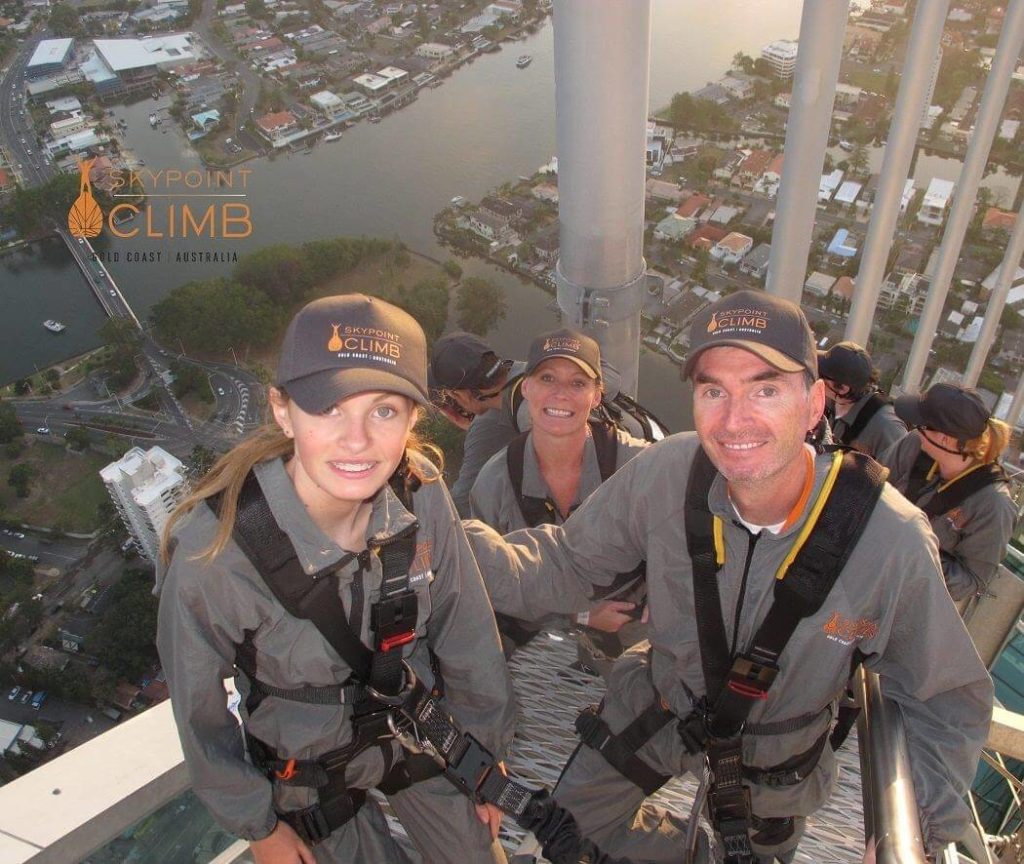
{"x":399,"y":698}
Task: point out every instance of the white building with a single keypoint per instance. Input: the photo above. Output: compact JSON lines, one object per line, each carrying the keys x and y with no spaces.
{"x":936,"y":200}
{"x":145,"y":487}
{"x":781,"y":55}
{"x":329,"y":104}
{"x":933,"y":77}
{"x":828,"y":185}
{"x":434,"y":50}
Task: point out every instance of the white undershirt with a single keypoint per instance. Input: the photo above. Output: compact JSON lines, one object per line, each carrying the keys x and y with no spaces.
{"x":757,"y":529}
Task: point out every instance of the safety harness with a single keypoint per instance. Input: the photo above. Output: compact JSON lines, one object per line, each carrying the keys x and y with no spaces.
{"x":390,"y":703}
{"x":734,"y":683}
{"x":951,"y":495}
{"x":315,"y":597}
{"x":867,"y":411}
{"x":543,"y":511}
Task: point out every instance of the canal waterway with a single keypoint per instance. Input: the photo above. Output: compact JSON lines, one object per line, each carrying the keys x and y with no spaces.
{"x":490,"y":122}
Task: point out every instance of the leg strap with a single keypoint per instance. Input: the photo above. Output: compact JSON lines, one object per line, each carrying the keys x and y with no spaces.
{"x":620,"y":750}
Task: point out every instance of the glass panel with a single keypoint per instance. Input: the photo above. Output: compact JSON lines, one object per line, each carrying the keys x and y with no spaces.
{"x":180,"y":832}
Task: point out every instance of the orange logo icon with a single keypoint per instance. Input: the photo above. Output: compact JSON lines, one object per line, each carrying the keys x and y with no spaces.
{"x":334,"y":343}
{"x":713,"y":323}
{"x":85,"y":219}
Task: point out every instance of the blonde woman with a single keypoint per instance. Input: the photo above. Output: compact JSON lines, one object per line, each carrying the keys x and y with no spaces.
{"x":948,"y":467}
{"x":330,"y":521}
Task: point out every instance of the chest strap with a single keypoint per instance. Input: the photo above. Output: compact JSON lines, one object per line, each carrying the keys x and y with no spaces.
{"x":867,"y":411}
{"x":734,"y":684}
{"x":953,"y":494}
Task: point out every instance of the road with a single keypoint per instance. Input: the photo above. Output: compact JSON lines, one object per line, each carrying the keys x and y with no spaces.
{"x":19,"y":138}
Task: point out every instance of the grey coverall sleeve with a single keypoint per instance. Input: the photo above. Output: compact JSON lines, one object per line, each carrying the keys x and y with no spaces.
{"x":930,"y":668}
{"x":464,"y":637}
{"x":487,"y":434}
{"x":197,"y":654}
{"x":899,"y":459}
{"x":484,"y":502}
{"x":980,"y":543}
{"x":555,"y":568}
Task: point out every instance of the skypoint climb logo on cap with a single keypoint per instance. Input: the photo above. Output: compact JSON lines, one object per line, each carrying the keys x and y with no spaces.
{"x":738,"y":321}
{"x":365,"y":343}
{"x":561,"y":343}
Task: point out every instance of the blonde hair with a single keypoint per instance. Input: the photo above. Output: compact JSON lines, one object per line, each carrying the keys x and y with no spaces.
{"x":269,"y":442}
{"x":990,"y":444}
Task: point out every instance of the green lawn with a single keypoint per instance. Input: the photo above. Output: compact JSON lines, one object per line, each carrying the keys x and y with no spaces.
{"x":66,"y":489}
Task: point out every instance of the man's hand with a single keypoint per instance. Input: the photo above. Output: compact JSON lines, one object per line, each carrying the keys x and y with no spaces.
{"x":490,"y":815}
{"x":610,"y":615}
{"x":281,"y":846}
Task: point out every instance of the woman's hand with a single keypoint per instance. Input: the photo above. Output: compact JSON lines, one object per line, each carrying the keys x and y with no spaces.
{"x":281,"y":846}
{"x":610,"y":615}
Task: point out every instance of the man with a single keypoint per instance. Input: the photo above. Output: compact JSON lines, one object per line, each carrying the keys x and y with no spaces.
{"x":753,"y":366}
{"x":863,"y":419}
{"x":469,"y":384}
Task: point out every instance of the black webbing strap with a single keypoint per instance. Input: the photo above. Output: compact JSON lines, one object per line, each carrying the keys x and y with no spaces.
{"x":802,"y":591}
{"x":542,"y":511}
{"x":868,"y":410}
{"x":393,"y":616}
{"x":918,"y":477}
{"x":620,"y":750}
{"x":793,"y":770}
{"x":963,"y":488}
{"x":313,"y":596}
{"x":735,"y":684}
{"x":700,"y":544}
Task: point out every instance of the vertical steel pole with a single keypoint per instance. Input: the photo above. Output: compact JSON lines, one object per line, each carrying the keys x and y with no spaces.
{"x":1013,"y":417}
{"x":922,"y":51}
{"x":992,"y":101}
{"x":602,"y":61}
{"x":822,"y":25}
{"x":996,"y":302}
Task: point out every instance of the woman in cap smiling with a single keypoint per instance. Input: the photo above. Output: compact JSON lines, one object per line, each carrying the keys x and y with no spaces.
{"x":546,"y":473}
{"x":329,"y":551}
{"x":948,"y":466}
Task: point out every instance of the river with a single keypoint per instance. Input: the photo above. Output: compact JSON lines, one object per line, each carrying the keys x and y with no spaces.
{"x":488,"y":123}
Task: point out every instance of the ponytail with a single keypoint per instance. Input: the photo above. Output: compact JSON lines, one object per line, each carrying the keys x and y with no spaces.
{"x":990,"y":444}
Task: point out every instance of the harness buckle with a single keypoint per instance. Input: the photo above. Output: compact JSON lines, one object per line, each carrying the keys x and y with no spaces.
{"x":394,"y":620}
{"x":750,"y":677}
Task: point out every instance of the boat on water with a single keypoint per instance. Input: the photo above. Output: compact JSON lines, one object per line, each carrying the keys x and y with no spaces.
{"x":54,"y":326}
{"x":153,"y":120}
{"x":332,"y":136}
{"x":375,"y":118}
{"x":524,"y":60}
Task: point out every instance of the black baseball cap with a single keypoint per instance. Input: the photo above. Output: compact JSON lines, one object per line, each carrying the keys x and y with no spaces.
{"x":350,"y":343}
{"x":768,"y":326}
{"x":568,"y":344}
{"x":846,"y":363}
{"x":956,"y":411}
{"x":462,"y":361}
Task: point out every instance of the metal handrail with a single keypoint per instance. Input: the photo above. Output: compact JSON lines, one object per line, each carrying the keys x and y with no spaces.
{"x":891,"y":822}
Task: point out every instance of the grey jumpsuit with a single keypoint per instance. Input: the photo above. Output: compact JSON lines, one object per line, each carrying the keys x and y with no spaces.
{"x":889,"y":603}
{"x":973,"y":536}
{"x":205,"y":611}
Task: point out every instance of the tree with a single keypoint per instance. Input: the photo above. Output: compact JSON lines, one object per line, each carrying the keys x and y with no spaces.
{"x":123,"y":640}
{"x":10,"y":428}
{"x":427,"y":302}
{"x":20,"y":478}
{"x":859,"y":158}
{"x":77,"y":438}
{"x":65,"y":21}
{"x":452,"y":268}
{"x":202,"y":460}
{"x":480,"y":305}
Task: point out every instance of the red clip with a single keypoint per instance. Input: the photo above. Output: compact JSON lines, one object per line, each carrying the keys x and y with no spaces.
{"x":747,"y":690}
{"x":395,"y":641}
{"x":286,"y":773}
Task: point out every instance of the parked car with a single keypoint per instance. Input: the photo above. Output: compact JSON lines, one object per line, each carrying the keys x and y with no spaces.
{"x":25,"y":696}
{"x":38,"y":700}
{"x":43,"y":430}
{"x":15,"y":692}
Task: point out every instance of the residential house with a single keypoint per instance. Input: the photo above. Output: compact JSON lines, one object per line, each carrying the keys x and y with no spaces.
{"x":749,"y":171}
{"x":501,"y":209}
{"x":847,"y":193}
{"x":673,"y":227}
{"x":907,"y":293}
{"x":738,"y":86}
{"x":756,"y":262}
{"x":936,"y":200}
{"x":731,"y":248}
{"x":663,"y":191}
{"x":998,"y":220}
{"x":545,"y":247}
{"x":549,"y":192}
{"x":488,"y":226}
{"x":844,"y":288}
{"x":693,"y":206}
{"x":705,"y":237}
{"x":729,"y":165}
{"x":828,"y":185}
{"x":819,"y":283}
{"x":276,"y":126}
{"x":330,"y":106}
